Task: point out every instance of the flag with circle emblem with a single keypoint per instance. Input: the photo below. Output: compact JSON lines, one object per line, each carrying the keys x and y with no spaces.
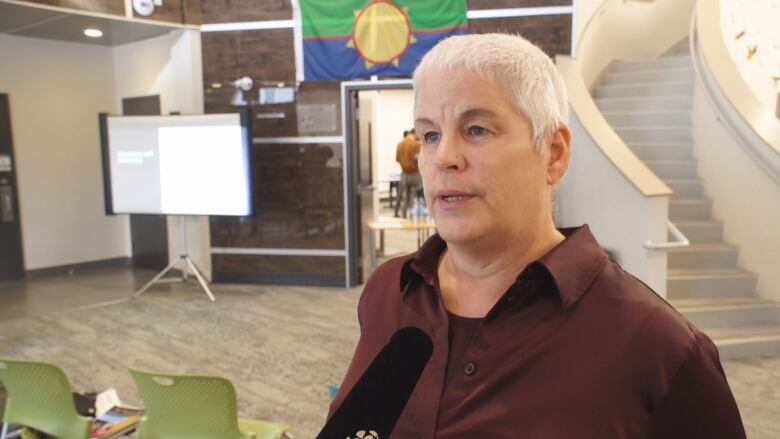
{"x":349,"y":39}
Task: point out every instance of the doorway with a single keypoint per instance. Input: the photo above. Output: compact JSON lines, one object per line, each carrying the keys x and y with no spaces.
{"x":11,"y":255}
{"x":375,"y":115}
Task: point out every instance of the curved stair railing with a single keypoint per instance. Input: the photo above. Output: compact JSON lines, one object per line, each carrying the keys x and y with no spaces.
{"x":604,"y":136}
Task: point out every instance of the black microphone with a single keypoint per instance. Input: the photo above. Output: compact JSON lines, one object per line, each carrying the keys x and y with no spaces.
{"x":374,"y":405}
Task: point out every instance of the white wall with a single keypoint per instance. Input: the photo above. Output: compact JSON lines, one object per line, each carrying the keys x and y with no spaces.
{"x":56,"y":92}
{"x":583,"y":11}
{"x":758,"y":19}
{"x":744,"y":197}
{"x":620,"y":217}
{"x":169,"y":65}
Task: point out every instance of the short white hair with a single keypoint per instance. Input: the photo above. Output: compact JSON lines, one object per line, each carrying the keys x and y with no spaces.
{"x":514,"y":62}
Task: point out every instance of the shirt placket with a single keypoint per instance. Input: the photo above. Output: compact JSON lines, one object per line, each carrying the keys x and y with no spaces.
{"x":428,"y":406}
{"x":476,"y":360}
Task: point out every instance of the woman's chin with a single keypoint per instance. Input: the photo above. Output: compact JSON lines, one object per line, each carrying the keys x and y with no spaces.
{"x":457,"y":234}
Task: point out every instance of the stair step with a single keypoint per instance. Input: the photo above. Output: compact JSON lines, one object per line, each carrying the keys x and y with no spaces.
{"x":662,"y":151}
{"x":749,"y":343}
{"x":674,"y":169}
{"x":749,"y":331}
{"x":685,"y":188}
{"x":703,"y":257}
{"x":674,"y":103}
{"x":684,"y":88}
{"x":729,"y":313}
{"x":699,"y":232}
{"x":669,"y":62}
{"x":726,"y":303}
{"x":710,"y":284}
{"x":648,"y":118}
{"x":679,"y":49}
{"x":644,"y":76}
{"x":654,"y":134}
{"x":689,"y":209}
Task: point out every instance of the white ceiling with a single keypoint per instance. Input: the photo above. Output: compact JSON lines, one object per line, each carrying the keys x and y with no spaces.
{"x":54,"y":24}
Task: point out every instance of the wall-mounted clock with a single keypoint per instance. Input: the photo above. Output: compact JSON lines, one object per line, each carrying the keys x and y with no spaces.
{"x":143,"y":7}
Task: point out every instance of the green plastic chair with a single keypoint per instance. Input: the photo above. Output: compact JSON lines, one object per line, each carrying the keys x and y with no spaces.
{"x":40,"y":397}
{"x":182,"y":406}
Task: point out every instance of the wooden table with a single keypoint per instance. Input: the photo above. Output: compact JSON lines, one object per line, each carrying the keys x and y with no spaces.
{"x":380,"y":225}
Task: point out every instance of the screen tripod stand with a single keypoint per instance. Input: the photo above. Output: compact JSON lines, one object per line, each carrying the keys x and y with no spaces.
{"x":186,"y":261}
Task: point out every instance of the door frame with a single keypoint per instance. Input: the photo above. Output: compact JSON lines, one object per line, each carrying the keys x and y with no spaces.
{"x":352,"y":219}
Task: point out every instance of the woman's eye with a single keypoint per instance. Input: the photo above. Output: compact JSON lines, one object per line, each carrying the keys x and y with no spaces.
{"x":477,"y":131}
{"x":431,"y":137}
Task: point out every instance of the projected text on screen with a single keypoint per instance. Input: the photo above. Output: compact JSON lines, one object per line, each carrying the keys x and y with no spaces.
{"x":183,"y":165}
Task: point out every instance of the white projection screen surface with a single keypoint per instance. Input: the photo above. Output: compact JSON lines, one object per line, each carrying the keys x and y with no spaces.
{"x":178,"y":165}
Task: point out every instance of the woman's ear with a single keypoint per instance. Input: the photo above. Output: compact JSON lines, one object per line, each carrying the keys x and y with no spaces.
{"x":558,"y":154}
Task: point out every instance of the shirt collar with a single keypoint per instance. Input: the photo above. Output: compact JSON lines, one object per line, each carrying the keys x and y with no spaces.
{"x":573,"y":264}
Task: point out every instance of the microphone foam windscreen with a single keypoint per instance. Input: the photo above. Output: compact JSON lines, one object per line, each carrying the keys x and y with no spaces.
{"x":376,"y":401}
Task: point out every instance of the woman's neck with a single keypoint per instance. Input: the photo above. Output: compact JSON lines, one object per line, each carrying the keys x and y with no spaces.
{"x":473,"y":278}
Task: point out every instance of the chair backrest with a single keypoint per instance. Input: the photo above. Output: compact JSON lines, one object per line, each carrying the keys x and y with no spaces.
{"x":187,"y":406}
{"x":40,"y":397}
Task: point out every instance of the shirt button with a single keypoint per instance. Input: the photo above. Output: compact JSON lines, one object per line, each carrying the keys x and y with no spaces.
{"x":469,"y":368}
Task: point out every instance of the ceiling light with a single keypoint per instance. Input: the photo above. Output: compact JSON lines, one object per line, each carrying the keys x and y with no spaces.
{"x":94,"y":33}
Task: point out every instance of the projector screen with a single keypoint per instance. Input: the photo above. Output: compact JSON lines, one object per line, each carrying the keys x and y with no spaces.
{"x":177,"y":165}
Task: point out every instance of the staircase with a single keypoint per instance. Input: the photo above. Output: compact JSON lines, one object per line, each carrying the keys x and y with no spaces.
{"x":649,"y":105}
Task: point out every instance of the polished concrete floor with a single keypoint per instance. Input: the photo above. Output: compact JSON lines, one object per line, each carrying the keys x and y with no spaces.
{"x":279,"y":345}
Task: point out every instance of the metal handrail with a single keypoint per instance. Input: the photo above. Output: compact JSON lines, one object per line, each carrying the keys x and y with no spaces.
{"x":680,"y":239}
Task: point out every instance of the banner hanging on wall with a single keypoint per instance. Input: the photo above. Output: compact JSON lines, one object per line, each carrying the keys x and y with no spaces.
{"x":349,"y":39}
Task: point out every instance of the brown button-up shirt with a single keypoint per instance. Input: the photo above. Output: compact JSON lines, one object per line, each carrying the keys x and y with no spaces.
{"x":406,"y":155}
{"x":576,"y":348}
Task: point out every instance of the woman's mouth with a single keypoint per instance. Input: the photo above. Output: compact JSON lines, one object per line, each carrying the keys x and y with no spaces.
{"x":451,"y":198}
